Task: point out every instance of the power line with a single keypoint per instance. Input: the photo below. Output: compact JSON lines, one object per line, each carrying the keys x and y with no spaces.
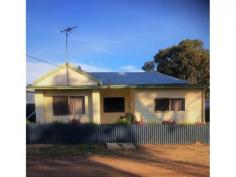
{"x":44,"y":61}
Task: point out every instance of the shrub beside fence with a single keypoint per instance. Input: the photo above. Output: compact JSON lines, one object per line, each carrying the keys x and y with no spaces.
{"x":62,"y":133}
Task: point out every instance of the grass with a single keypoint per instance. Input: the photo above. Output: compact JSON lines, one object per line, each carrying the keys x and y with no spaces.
{"x":67,"y":150}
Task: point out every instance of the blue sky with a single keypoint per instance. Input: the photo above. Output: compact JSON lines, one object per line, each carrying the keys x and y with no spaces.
{"x":113,"y":35}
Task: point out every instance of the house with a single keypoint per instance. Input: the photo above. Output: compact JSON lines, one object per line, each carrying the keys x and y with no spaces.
{"x":69,"y":93}
{"x":29,"y":97}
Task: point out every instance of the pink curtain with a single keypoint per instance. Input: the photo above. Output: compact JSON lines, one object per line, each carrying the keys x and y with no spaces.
{"x":177,"y":104}
{"x":77,"y":107}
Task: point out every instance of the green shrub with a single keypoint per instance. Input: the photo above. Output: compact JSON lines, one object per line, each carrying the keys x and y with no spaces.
{"x":128,"y":119}
{"x":123,"y":121}
{"x":28,"y":122}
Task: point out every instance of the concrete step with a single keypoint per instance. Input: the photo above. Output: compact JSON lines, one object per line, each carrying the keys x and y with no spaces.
{"x":113,"y":146}
{"x":127,"y":145}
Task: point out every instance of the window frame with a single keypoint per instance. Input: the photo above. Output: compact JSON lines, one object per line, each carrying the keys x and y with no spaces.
{"x":68,"y":105}
{"x":155,"y":106}
{"x":54,"y":109}
{"x":181,"y":99}
{"x":170,"y":104}
{"x":113,"y":111}
{"x":83,"y":104}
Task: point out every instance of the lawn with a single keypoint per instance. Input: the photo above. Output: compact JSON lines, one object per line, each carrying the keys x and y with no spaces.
{"x":96,"y":160}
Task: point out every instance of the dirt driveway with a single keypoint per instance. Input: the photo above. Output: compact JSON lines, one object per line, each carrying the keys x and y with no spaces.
{"x":146,"y":160}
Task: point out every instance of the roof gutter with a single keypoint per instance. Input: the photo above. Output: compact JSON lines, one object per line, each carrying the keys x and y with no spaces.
{"x":86,"y":87}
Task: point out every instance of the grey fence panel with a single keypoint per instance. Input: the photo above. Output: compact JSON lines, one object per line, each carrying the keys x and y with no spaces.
{"x":61,"y":133}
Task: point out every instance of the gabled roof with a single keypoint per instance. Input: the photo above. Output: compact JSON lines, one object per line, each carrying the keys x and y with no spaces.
{"x":105,"y":80}
{"x":63,"y":66}
{"x":135,"y":78}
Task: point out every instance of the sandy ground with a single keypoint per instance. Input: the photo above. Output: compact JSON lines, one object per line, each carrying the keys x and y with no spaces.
{"x":146,"y":160}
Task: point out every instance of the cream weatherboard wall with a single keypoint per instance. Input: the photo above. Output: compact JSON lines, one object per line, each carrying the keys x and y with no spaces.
{"x":39,"y":106}
{"x":136,"y":101}
{"x":108,"y":118}
{"x":58,"y":77}
{"x":44,"y":106}
{"x":96,"y":108}
{"x":194,"y":105}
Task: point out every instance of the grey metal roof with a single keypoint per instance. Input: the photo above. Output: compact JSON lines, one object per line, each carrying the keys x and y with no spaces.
{"x":135,"y":78}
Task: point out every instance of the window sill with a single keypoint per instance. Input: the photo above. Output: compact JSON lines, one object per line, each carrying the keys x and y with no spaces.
{"x":167,"y":111}
{"x":69,"y":114}
{"x":112,"y":112}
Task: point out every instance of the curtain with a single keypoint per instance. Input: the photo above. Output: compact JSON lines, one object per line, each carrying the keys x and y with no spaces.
{"x":177,"y":104}
{"x":77,"y":106}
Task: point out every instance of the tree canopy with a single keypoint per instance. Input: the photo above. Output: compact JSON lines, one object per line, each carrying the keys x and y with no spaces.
{"x":149,"y":66}
{"x":188,"y":60}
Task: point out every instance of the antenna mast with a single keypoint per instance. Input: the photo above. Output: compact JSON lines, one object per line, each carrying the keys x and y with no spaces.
{"x":67,"y":31}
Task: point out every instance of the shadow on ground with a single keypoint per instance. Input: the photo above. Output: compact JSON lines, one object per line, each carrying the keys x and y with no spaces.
{"x":147,"y":160}
{"x":71,"y":167}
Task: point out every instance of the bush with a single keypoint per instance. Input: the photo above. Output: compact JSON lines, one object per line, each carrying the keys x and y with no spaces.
{"x":168,"y":122}
{"x":28,"y":122}
{"x":128,"y":119}
{"x":141,"y":122}
{"x":123,"y":121}
{"x":75,"y":121}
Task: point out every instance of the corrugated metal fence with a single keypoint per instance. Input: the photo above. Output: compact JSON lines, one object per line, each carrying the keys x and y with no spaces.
{"x":96,"y":134}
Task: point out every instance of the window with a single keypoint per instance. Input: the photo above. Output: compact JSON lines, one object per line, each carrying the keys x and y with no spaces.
{"x":64,"y":105}
{"x":178,"y":104}
{"x":114,"y":104}
{"x":162,"y":104}
{"x":60,"y":105}
{"x":166,"y":104}
{"x":77,"y":105}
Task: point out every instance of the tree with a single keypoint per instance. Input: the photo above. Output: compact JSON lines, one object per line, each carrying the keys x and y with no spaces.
{"x":188,"y":60}
{"x":149,"y":66}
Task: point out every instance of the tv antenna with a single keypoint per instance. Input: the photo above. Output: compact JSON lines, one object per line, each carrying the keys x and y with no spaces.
{"x":67,"y":31}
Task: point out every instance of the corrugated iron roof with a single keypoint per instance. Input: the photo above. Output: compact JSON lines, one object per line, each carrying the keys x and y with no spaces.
{"x":135,"y":78}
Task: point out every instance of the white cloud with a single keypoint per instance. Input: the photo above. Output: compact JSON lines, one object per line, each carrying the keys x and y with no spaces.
{"x":103,"y":48}
{"x":92,"y":67}
{"x":36,"y":69}
{"x":95,"y":44}
{"x":130,"y":68}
